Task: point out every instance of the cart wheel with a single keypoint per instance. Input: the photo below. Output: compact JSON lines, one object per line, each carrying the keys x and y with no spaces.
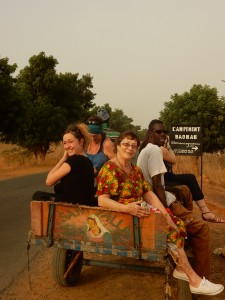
{"x":61,"y":261}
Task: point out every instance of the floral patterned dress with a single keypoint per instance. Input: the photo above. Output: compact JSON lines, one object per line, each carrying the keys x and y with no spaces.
{"x":125,"y":189}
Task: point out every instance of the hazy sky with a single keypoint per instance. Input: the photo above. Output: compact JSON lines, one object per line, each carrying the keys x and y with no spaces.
{"x":139,"y":52}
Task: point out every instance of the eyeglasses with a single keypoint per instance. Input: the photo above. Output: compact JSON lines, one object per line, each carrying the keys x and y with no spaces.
{"x":160,"y":131}
{"x":127,"y":145}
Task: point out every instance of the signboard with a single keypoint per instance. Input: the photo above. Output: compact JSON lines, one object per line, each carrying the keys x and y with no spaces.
{"x":186,"y":139}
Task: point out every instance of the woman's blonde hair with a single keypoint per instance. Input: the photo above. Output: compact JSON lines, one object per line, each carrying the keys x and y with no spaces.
{"x":80,"y":131}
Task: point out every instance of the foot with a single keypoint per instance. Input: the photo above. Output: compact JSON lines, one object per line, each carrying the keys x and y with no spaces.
{"x":207,"y":288}
{"x":180,"y":275}
{"x":211,"y":217}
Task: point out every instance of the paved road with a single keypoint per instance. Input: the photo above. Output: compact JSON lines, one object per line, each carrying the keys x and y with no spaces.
{"x":15,"y":197}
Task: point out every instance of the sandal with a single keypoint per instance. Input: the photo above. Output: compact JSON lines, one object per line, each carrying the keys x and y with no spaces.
{"x":216,"y":219}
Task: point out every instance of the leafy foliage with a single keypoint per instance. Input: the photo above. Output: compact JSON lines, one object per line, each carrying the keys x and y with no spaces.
{"x":200,"y":106}
{"x":11,"y":105}
{"x":74,"y":95}
{"x":38,"y":104}
{"x":118,"y":120}
{"x":52,"y":102}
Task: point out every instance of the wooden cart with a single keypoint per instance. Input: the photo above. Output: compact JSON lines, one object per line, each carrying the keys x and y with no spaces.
{"x":75,"y":229}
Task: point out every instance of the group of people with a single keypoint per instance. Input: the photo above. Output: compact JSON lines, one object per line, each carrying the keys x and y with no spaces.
{"x":96,"y":171}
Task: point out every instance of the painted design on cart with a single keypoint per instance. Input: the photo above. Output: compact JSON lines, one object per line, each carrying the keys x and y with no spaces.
{"x":83,"y":224}
{"x":96,"y":231}
{"x":67,"y":228}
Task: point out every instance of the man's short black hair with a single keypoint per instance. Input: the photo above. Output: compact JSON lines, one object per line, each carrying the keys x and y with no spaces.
{"x":152,"y":123}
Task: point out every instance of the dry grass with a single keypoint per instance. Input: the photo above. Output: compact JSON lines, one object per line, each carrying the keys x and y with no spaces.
{"x":211,"y":166}
{"x":13,"y":157}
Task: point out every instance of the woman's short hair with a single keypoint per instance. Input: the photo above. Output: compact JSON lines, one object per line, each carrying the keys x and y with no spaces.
{"x":80,"y":131}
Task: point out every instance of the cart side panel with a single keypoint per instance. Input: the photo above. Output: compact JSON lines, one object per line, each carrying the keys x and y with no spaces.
{"x":83,"y":226}
{"x":98,"y":230}
{"x":153,"y":237}
{"x":39,"y":217}
{"x":93,"y":226}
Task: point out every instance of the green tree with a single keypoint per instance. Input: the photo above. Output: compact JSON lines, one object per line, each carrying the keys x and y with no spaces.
{"x":52,"y":101}
{"x":74,"y":95}
{"x":11,"y":105}
{"x":142,"y":134}
{"x":94,"y":110}
{"x":200,"y":106}
{"x":118,"y":120}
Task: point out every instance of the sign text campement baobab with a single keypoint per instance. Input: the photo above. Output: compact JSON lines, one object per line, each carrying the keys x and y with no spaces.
{"x":186,"y":139}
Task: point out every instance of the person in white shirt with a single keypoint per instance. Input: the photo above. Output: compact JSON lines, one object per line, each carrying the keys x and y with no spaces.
{"x":150,"y":160}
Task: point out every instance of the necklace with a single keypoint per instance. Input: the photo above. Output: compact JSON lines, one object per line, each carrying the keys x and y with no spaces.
{"x":128,"y":180}
{"x":129,"y":165}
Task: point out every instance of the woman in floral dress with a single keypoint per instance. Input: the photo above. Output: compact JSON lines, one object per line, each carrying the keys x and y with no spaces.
{"x":121,"y":187}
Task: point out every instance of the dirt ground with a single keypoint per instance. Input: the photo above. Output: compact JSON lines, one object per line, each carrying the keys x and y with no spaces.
{"x":96,"y":283}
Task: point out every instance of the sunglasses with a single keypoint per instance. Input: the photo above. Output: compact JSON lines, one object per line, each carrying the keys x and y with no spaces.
{"x":127,"y":145}
{"x":160,"y":131}
{"x":92,"y":122}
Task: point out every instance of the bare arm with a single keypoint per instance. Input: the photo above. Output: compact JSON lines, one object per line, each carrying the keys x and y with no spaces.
{"x":159,"y":189}
{"x":108,"y":148}
{"x":168,"y":155}
{"x":131,"y":208}
{"x":152,"y":199}
{"x":59,"y":171}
